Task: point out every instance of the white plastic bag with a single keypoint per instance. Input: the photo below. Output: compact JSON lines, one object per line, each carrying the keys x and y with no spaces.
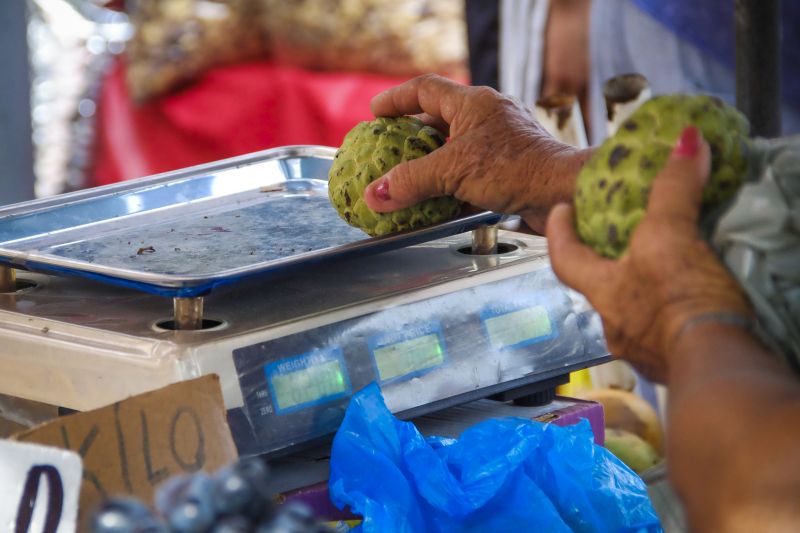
{"x":758,"y":237}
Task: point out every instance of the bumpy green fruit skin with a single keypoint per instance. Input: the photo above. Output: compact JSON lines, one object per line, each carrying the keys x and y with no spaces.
{"x":613,"y":187}
{"x":369,"y":150}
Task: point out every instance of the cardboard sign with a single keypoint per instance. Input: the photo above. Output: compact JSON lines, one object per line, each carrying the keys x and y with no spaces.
{"x":39,"y":488}
{"x":131,"y":446}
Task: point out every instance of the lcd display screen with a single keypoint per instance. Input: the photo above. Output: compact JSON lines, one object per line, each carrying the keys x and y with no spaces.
{"x":518,"y":328}
{"x":306,"y":380}
{"x":409,"y":356}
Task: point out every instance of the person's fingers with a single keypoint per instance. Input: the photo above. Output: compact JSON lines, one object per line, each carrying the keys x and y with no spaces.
{"x":431,"y":94}
{"x":435,"y":122}
{"x":574,"y":263}
{"x":410,"y":182}
{"x":678,"y":189}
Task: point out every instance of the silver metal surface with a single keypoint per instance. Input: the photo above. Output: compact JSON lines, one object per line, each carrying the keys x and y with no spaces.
{"x":188,"y":313}
{"x":200,"y":226}
{"x":255,"y":304}
{"x":82,"y":344}
{"x":93,"y":343}
{"x":8,"y":279}
{"x":484,"y":240}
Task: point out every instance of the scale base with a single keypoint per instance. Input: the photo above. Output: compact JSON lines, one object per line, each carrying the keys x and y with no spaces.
{"x":534,"y":394}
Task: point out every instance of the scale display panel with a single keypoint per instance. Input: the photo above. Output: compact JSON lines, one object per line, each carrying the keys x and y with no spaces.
{"x":408,"y":355}
{"x":307,"y":380}
{"x":518,"y":328}
{"x":297,"y":387}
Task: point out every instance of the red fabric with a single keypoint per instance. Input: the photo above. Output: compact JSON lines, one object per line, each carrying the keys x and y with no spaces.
{"x":231,"y":111}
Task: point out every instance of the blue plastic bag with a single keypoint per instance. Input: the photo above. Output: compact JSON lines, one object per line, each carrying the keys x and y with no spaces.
{"x":500,"y":475}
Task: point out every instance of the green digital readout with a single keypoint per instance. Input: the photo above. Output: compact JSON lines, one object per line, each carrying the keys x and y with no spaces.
{"x":307,"y":385}
{"x":409,"y":356}
{"x":518,"y":327}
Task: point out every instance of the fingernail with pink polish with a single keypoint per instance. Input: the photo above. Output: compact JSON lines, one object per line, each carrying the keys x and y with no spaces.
{"x":382,"y":191}
{"x":688,"y":143}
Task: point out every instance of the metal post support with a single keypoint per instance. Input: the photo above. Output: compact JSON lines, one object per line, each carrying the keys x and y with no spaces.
{"x":484,"y":240}
{"x":16,"y":144}
{"x":188,"y":313}
{"x":758,"y":64}
{"x":8,"y":279}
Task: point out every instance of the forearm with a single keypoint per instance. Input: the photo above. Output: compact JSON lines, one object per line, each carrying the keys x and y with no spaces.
{"x":733,"y":432}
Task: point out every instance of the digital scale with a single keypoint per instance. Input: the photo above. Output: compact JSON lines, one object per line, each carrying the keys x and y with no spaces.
{"x":292,"y":308}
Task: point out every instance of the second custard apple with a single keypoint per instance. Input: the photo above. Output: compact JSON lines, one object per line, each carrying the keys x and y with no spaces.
{"x":369,"y":150}
{"x":613,"y":187}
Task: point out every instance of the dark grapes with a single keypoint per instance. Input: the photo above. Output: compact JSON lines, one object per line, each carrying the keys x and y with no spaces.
{"x":236,"y":499}
{"x":170,"y":493}
{"x":256,"y":472}
{"x":197,"y":512}
{"x":233,"y":524}
{"x":232,"y":491}
{"x":125,"y":516}
{"x":243,"y":488}
{"x":293,"y":517}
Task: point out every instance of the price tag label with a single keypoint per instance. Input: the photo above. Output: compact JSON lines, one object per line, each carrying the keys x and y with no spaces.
{"x":39,"y":488}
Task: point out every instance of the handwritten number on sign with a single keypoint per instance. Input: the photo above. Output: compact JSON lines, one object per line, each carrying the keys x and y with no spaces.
{"x":55,"y":499}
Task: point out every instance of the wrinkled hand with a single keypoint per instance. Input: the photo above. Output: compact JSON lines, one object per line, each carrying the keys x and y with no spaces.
{"x":669,"y":276}
{"x":497,"y":158}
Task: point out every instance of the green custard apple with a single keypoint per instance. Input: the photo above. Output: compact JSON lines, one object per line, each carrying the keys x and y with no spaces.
{"x":369,"y":150}
{"x":612,"y":189}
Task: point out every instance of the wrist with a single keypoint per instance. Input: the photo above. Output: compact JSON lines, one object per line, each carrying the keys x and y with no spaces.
{"x":566,"y":163}
{"x":711,"y":335}
{"x":551,"y":173}
{"x":714,"y":320}
{"x":728,"y":310}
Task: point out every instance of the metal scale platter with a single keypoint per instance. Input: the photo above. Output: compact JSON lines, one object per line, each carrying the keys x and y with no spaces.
{"x":435,"y":326}
{"x":183,"y":233}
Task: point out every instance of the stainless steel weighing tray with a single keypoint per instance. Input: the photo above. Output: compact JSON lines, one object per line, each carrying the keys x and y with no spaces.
{"x":182,"y":233}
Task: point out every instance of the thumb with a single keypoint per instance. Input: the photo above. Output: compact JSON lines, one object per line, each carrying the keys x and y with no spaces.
{"x":574,"y":263}
{"x":678,"y":189}
{"x":409,"y":183}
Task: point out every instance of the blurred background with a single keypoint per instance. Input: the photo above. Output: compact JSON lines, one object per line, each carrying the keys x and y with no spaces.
{"x":98,"y":91}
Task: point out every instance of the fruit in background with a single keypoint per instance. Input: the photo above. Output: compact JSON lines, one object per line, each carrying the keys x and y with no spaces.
{"x":627,"y":411}
{"x":233,"y":524}
{"x":126,"y":515}
{"x":631,"y":449}
{"x":369,"y":150}
{"x":243,"y":488}
{"x":616,"y":374}
{"x":613,"y":187}
{"x":235,"y":499}
{"x":196,"y":509}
